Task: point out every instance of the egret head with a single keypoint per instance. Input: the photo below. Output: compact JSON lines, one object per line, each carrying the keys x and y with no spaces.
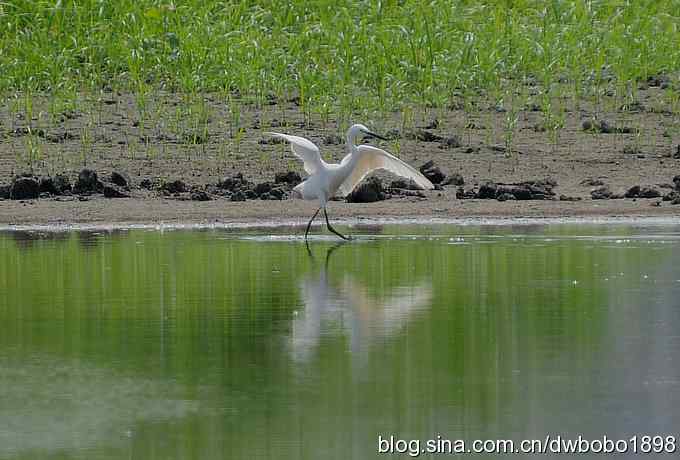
{"x":360,"y":130}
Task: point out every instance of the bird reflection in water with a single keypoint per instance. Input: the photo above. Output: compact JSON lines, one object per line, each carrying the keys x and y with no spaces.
{"x":335,"y":307}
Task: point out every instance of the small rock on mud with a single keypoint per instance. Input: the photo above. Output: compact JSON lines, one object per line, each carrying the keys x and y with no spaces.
{"x":649,"y":192}
{"x":175,"y":186}
{"x":671,"y":196}
{"x":238,"y":196}
{"x":146,"y":183}
{"x":404,"y":184}
{"x":87,"y":183}
{"x":633,"y":192}
{"x":463,"y":194}
{"x":527,"y":190}
{"x":4,"y":191}
{"x":601,"y":193}
{"x":369,"y":191}
{"x":277,"y":193}
{"x":24,"y":188}
{"x":290,"y":177}
{"x":119,"y":179}
{"x":263,"y":187}
{"x":200,"y":195}
{"x":642,"y":192}
{"x":452,"y":142}
{"x":46,"y":185}
{"x":487,"y":191}
{"x":432,"y":172}
{"x":603,"y":127}
{"x":233,"y":183}
{"x":425,"y":136}
{"x":115,"y":191}
{"x":62,"y":184}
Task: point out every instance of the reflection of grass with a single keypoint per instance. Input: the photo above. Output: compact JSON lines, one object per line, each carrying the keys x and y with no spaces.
{"x":245,"y":286}
{"x":214,"y":315}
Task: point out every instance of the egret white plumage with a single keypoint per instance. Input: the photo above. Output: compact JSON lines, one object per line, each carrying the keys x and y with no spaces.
{"x":327,"y":179}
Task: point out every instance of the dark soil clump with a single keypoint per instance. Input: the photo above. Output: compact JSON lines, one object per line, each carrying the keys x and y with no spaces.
{"x":528,"y":190}
{"x":601,"y":193}
{"x":4,"y":191}
{"x":119,"y":179}
{"x":24,"y":188}
{"x":87,"y":183}
{"x":238,"y":196}
{"x":233,"y":183}
{"x":200,"y":195}
{"x":291,"y":178}
{"x":487,"y":191}
{"x":426,"y":136}
{"x":115,"y":191}
{"x":368,"y":191}
{"x":603,"y":127}
{"x":46,"y":185}
{"x":173,"y":187}
{"x":403,"y":184}
{"x":432,"y":172}
{"x":451,"y":142}
{"x":642,"y":192}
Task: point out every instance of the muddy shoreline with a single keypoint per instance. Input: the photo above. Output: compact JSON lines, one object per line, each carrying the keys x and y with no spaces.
{"x":294,"y":214}
{"x":608,"y":161}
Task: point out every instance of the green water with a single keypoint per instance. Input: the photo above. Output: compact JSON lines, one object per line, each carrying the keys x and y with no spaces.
{"x":214,"y":344}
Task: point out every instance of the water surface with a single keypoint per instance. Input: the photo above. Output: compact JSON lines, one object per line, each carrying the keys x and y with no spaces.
{"x":218,"y":344}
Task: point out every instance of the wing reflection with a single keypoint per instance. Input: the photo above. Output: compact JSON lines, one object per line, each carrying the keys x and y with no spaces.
{"x":346,"y":307}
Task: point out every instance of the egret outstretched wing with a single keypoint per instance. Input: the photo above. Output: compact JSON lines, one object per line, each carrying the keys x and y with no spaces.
{"x":303,"y":149}
{"x":372,"y":158}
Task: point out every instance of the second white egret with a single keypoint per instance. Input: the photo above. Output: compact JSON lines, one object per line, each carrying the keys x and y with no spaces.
{"x":327,"y":179}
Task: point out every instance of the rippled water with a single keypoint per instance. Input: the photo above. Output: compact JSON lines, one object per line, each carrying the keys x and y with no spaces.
{"x":216,"y":344}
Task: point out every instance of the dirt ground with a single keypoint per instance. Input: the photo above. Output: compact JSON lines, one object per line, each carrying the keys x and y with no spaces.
{"x":643,"y":150}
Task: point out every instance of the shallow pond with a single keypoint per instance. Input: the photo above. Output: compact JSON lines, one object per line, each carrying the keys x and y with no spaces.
{"x":232,"y":344}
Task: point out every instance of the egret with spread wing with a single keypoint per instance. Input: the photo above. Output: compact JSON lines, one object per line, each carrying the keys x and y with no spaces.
{"x":327,"y":179}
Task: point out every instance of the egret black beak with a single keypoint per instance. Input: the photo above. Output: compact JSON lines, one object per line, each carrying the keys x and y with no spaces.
{"x":372,"y":134}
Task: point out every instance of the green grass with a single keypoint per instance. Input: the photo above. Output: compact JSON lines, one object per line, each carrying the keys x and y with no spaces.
{"x":341,"y":62}
{"x":347,"y":54}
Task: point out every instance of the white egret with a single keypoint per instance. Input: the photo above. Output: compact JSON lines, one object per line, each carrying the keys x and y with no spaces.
{"x":327,"y":179}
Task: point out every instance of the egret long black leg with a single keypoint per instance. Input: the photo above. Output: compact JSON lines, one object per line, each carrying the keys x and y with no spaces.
{"x":328,"y":224}
{"x":310,"y":222}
